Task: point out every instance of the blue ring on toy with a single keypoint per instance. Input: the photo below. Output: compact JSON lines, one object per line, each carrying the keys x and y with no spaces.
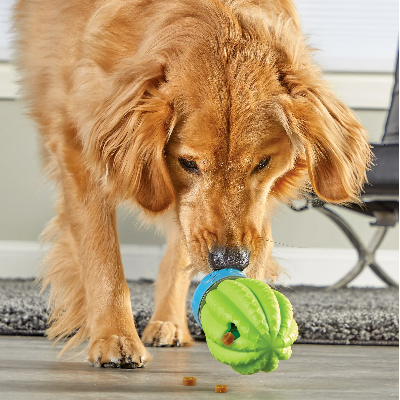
{"x":206,"y":283}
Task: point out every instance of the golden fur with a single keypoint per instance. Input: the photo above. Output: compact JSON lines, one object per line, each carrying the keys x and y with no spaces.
{"x":120,"y":91}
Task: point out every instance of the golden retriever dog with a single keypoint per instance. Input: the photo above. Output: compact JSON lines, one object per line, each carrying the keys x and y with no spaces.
{"x":203,"y":114}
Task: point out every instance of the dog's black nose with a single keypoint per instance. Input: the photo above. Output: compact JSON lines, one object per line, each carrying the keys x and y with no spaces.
{"x":228,"y":257}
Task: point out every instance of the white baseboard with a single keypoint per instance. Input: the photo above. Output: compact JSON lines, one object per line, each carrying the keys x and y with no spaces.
{"x":19,"y":259}
{"x":313,"y":266}
{"x":324,"y":267}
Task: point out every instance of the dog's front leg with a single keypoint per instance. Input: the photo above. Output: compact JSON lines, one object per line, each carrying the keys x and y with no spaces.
{"x":113,"y":337}
{"x":168,"y":325}
{"x":88,"y":288}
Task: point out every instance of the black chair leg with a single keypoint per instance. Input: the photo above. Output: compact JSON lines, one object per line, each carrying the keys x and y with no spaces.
{"x":366,"y":256}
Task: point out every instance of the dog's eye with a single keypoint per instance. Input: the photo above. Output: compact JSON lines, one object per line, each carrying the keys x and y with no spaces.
{"x":189,"y":165}
{"x":262,"y":164}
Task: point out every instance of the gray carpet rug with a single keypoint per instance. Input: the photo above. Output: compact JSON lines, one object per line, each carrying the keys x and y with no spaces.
{"x":346,"y":316}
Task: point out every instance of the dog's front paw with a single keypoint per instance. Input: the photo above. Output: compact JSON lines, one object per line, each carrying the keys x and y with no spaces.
{"x":165,"y":333}
{"x":118,"y":352}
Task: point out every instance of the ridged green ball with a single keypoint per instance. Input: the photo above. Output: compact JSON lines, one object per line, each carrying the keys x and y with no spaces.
{"x":263,"y":317}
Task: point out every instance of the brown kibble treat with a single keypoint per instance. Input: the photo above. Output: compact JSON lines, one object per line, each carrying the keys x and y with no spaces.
{"x":228,"y":338}
{"x":189,"y":380}
{"x":221,"y":388}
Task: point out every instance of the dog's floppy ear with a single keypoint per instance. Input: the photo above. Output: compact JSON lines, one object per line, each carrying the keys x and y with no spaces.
{"x":335,"y":143}
{"x":123,"y":141}
{"x":326,"y":132}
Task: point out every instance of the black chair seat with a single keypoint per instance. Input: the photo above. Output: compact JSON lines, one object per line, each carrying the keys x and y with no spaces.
{"x":370,"y":208}
{"x":382,"y":192}
{"x":383,"y":178}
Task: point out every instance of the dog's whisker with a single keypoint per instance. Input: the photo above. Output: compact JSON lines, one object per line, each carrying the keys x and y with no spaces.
{"x":279,"y":243}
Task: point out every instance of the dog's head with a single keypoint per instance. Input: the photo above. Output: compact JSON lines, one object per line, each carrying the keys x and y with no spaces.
{"x":220,"y":127}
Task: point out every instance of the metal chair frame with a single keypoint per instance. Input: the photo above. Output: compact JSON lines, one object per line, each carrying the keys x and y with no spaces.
{"x":384,"y":198}
{"x":366,"y":254}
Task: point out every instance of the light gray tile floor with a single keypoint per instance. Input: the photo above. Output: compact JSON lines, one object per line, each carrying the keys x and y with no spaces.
{"x":29,"y":369}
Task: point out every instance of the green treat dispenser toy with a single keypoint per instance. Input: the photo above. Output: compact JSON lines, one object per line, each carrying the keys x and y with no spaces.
{"x":248,"y":325}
